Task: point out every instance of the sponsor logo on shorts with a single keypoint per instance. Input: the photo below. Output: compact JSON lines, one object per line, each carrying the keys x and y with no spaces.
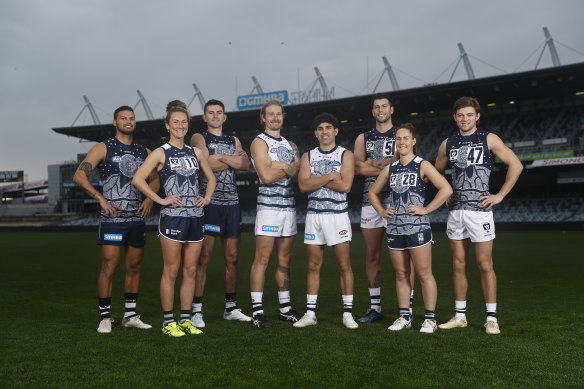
{"x":390,"y":239}
{"x":421,"y":237}
{"x":212,"y":227}
{"x":172,"y":232}
{"x":343,"y":232}
{"x":309,"y":237}
{"x":450,"y":231}
{"x":365,"y":220}
{"x":267,"y":228}
{"x":113,"y":237}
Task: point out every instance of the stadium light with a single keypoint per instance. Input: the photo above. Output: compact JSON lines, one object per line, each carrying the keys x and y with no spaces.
{"x":491,"y":104}
{"x":579,"y":93}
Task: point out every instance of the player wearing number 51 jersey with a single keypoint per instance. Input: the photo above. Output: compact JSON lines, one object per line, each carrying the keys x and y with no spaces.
{"x":470,"y":218}
{"x":374,"y":150}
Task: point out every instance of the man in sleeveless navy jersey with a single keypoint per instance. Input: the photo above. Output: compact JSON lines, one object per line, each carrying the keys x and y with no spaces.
{"x":223,"y":214}
{"x":327,"y":173}
{"x":471,"y":218}
{"x":123,"y":210}
{"x":276,"y":161}
{"x":374,"y":150}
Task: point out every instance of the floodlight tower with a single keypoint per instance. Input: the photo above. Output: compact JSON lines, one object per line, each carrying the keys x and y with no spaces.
{"x":145,"y":105}
{"x":91,"y":110}
{"x":549,"y":43}
{"x":464,"y":58}
{"x":320,"y":80}
{"x":390,"y":74}
{"x":256,"y":86}
{"x":198,"y":95}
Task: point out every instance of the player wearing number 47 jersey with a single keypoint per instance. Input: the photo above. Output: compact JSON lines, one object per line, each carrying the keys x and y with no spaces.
{"x":471,"y":218}
{"x":122,"y":214}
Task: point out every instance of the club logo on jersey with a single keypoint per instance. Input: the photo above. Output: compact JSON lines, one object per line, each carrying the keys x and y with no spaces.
{"x":128,"y":164}
{"x":222,"y":148}
{"x":401,"y":182}
{"x":185,"y":166}
{"x":212,"y":227}
{"x":283,"y":154}
{"x":113,"y":237}
{"x":268,"y":228}
{"x":309,"y":237}
{"x":325,"y":166}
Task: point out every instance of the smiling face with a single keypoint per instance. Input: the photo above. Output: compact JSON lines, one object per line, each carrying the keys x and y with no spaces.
{"x":178,"y":125}
{"x":466,"y":119}
{"x":404,"y":142}
{"x":214,"y":116}
{"x":326,"y":133}
{"x":125,"y":122}
{"x":382,"y":110}
{"x":273,"y":117}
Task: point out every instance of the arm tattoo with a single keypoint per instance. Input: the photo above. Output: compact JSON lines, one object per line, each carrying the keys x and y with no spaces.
{"x":85,"y":167}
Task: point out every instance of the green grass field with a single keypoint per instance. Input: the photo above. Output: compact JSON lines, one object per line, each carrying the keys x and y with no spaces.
{"x":50,"y":316}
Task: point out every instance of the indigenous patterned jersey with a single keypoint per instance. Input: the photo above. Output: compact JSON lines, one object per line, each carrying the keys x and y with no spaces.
{"x":406,"y":188}
{"x":180,"y":176}
{"x":378,"y":145}
{"x":278,"y":195}
{"x":325,"y":200}
{"x":471,"y":163}
{"x":116,"y":173}
{"x":225,"y":191}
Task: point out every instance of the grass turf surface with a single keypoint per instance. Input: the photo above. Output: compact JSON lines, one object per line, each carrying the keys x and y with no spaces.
{"x":50,"y":316}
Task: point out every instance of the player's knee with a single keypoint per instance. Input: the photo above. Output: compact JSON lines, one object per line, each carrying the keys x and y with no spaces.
{"x":402,"y":275}
{"x":485,"y":265}
{"x":231,"y":258}
{"x":189,"y":271}
{"x":314,"y":266}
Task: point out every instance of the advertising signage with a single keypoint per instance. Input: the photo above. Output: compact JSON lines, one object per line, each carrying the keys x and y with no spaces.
{"x":11,"y":176}
{"x":258,"y":100}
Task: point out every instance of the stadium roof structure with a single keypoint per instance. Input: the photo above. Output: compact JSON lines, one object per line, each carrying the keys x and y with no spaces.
{"x":543,"y":84}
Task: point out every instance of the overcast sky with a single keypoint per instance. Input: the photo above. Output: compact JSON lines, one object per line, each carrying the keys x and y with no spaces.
{"x":54,"y":52}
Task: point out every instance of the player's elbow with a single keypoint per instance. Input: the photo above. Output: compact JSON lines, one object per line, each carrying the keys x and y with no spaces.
{"x":302,"y":185}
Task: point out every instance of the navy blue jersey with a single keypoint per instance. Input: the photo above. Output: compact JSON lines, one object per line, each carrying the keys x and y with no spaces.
{"x":378,"y":145}
{"x":406,"y":188}
{"x":225,"y":191}
{"x":180,"y":176}
{"x":278,"y":195}
{"x":472,"y":164}
{"x":116,"y":173}
{"x":324,"y":200}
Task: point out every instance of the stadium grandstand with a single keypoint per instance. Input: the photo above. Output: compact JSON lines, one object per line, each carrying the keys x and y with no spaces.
{"x":539,"y":114}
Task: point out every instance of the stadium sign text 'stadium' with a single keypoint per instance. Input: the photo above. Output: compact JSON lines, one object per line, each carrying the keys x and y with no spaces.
{"x":256,"y":101}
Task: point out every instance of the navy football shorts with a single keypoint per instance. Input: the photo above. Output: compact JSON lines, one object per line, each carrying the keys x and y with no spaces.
{"x":122,"y":234}
{"x":223,"y":220}
{"x":406,"y":242}
{"x":181,"y":229}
